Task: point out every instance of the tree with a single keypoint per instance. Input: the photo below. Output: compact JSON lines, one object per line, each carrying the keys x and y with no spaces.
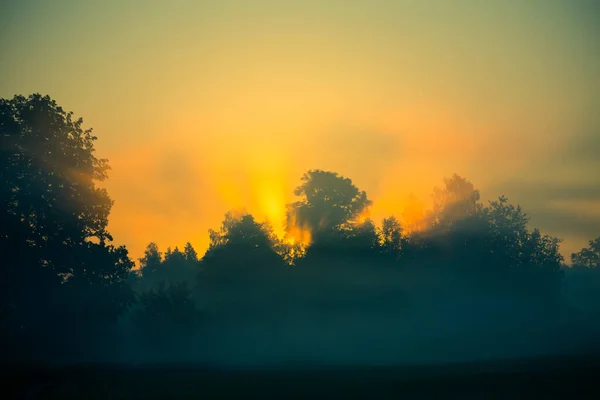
{"x":219,"y":237}
{"x":391,"y":236}
{"x":174,"y":267}
{"x":507,"y":231}
{"x":328,"y":201}
{"x":174,"y":262}
{"x":458,"y":199}
{"x":360,"y":239}
{"x":53,"y":218}
{"x":541,"y":261}
{"x":180,"y":266}
{"x":588,"y":257}
{"x":48,"y":176}
{"x":151,"y":263}
{"x":242,"y":263}
{"x":174,"y":256}
{"x":511,"y":244}
{"x":582,"y":286}
{"x":190,"y":254}
{"x":165,"y":312}
{"x":50,"y":203}
{"x":241,"y":240}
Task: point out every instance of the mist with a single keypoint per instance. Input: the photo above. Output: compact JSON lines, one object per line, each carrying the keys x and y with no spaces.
{"x":297,"y":186}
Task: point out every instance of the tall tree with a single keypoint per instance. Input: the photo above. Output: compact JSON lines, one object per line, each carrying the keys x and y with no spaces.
{"x":327,"y":202}
{"x":242,"y":260}
{"x":458,"y":199}
{"x":48,"y":175}
{"x":190,"y":253}
{"x":506,"y":230}
{"x":391,"y":236}
{"x":152,"y":259}
{"x":53,"y":217}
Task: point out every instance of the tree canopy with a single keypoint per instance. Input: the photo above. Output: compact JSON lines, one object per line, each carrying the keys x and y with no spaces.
{"x":588,"y":257}
{"x":53,"y":224}
{"x":463,"y":268}
{"x":327,"y":202}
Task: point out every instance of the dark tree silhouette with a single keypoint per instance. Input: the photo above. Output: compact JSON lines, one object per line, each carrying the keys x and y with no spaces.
{"x":392,"y":240}
{"x":588,"y":257}
{"x":53,"y":234}
{"x":464,"y":274}
{"x":582,"y":286}
{"x":328,"y":201}
{"x":181,"y":266}
{"x":535,"y":257}
{"x":174,"y":268}
{"x":165,"y":312}
{"x":151,"y":271}
{"x":191,"y":257}
{"x":242,"y":260}
{"x":151,"y":260}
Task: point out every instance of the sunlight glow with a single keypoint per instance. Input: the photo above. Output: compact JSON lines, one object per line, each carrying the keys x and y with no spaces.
{"x":246,"y":102}
{"x":297,"y":234}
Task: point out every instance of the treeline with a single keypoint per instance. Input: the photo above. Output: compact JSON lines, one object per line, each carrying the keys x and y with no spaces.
{"x":463,"y":280}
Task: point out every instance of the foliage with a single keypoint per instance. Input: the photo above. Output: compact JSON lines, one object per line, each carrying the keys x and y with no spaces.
{"x":242,"y":246}
{"x":461,"y":265}
{"x":175,"y":267}
{"x":391,"y":236}
{"x":588,"y":257}
{"x":457,"y":200}
{"x":164,"y":310}
{"x":58,"y":260}
{"x":328,"y":201}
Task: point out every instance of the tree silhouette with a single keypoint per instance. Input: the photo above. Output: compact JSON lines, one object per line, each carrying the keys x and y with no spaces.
{"x":152,"y":258}
{"x":588,"y":257}
{"x":151,"y":267}
{"x":53,"y":234}
{"x":582,"y":284}
{"x":242,"y":260}
{"x":191,"y":257}
{"x":328,"y":201}
{"x":392,"y":240}
{"x":464,"y":270}
{"x":165,"y":313}
{"x":507,"y":225}
{"x":174,"y":268}
{"x":458,"y":199}
{"x":361,"y":239}
{"x":512,"y":246}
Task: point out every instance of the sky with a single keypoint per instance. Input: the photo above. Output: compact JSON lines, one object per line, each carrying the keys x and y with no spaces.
{"x":206,"y":106}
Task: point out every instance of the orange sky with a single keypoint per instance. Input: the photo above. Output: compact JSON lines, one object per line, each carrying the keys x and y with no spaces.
{"x":204,"y":106}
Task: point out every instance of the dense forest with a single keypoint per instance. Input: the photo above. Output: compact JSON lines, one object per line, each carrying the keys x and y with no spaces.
{"x":464,"y":281}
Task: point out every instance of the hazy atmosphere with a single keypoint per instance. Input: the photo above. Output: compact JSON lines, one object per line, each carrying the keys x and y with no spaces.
{"x":299,"y":198}
{"x":205,"y":106}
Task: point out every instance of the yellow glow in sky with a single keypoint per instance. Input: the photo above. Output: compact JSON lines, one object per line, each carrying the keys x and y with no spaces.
{"x":205,"y":106}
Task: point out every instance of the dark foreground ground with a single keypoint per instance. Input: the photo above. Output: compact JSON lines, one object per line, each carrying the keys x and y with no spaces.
{"x":556,"y":377}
